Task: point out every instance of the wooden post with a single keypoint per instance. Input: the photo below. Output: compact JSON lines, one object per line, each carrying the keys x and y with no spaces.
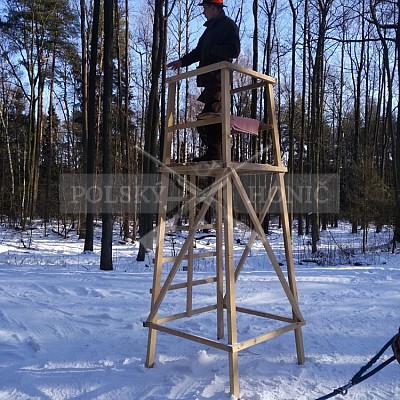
{"x":151,"y":345}
{"x":226,"y":116}
{"x":189,"y":292}
{"x":228,"y":234}
{"x":219,"y":265}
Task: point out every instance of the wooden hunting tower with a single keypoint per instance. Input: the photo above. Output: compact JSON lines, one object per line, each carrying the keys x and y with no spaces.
{"x":224,"y":181}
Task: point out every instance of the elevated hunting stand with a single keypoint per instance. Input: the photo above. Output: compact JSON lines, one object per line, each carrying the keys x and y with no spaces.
{"x":224,"y":181}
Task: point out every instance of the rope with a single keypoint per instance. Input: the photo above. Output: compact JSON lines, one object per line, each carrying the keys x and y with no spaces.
{"x":359,"y":377}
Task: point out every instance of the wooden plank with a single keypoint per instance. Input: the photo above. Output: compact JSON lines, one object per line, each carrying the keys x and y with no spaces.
{"x":251,"y":168}
{"x":250,"y":72}
{"x":194,"y":124}
{"x":264,"y":314}
{"x":266,"y":336}
{"x":219,"y":265}
{"x":272,"y":119}
{"x":169,"y":121}
{"x":209,"y":121}
{"x":178,"y":199}
{"x":225,"y":116}
{"x":172,"y":228}
{"x":198,"y":71}
{"x":246,"y":88}
{"x":228,"y":236}
{"x":168,"y":318}
{"x":207,"y":168}
{"x":230,"y":284}
{"x":189,"y":336}
{"x":196,"y":282}
{"x":151,"y":340}
{"x":189,"y":293}
{"x":195,"y":255}
{"x":298,"y":335}
{"x":221,"y":65}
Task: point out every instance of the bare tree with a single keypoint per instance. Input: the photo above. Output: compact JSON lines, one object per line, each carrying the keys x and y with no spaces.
{"x":107,"y":215}
{"x":91,"y":136}
{"x":84,"y":75}
{"x":317,"y":104}
{"x":385,"y":17}
{"x":152,"y":120}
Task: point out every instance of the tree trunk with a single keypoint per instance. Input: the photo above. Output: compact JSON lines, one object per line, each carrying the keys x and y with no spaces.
{"x":107,"y":216}
{"x":389,"y":115}
{"x":91,"y":141}
{"x":84,"y":75}
{"x":303,"y":123}
{"x":50,"y":142}
{"x":316,"y":128}
{"x":152,"y":119}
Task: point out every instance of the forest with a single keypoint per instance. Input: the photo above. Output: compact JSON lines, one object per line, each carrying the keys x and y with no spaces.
{"x":82,"y":91}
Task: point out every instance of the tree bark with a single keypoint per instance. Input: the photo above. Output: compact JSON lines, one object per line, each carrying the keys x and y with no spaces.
{"x":152,"y":120}
{"x":91,"y":141}
{"x":84,"y":77}
{"x":107,"y":214}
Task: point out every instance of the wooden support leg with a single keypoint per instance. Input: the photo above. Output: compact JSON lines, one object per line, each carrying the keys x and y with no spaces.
{"x":234,"y":374}
{"x":298,"y":336}
{"x":189,"y":293}
{"x":151,"y":348}
{"x":287,"y":237}
{"x":219,"y":266}
{"x":230,"y":287}
{"x":152,"y":335}
{"x":162,"y":212}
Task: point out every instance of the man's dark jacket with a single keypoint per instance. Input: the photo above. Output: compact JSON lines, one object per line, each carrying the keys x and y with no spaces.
{"x":219,"y":42}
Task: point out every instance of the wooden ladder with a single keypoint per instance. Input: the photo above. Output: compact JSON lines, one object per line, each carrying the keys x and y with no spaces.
{"x":223,"y":178}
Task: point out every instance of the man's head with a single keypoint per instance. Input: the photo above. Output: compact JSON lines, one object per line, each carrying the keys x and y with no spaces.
{"x":211,"y":8}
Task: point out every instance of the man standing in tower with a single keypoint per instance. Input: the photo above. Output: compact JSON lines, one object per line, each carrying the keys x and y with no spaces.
{"x":219,"y":42}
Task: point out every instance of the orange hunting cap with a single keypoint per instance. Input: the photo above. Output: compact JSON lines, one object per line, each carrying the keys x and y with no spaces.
{"x":215,"y":2}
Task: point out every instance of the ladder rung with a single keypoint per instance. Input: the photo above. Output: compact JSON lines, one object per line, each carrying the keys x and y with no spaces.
{"x":196,"y":255}
{"x":194,"y":283}
{"x":194,"y":124}
{"x":185,"y":314}
{"x":180,"y":198}
{"x":213,"y":168}
{"x":187,"y":227}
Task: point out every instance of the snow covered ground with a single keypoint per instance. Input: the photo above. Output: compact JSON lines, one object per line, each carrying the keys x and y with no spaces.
{"x":70,"y":331}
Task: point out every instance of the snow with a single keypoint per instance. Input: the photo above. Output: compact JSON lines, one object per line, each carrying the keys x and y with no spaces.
{"x":70,"y":331}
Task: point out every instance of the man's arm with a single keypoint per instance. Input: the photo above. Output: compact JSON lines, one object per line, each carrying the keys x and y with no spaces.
{"x":186,"y":60}
{"x":190,"y":58}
